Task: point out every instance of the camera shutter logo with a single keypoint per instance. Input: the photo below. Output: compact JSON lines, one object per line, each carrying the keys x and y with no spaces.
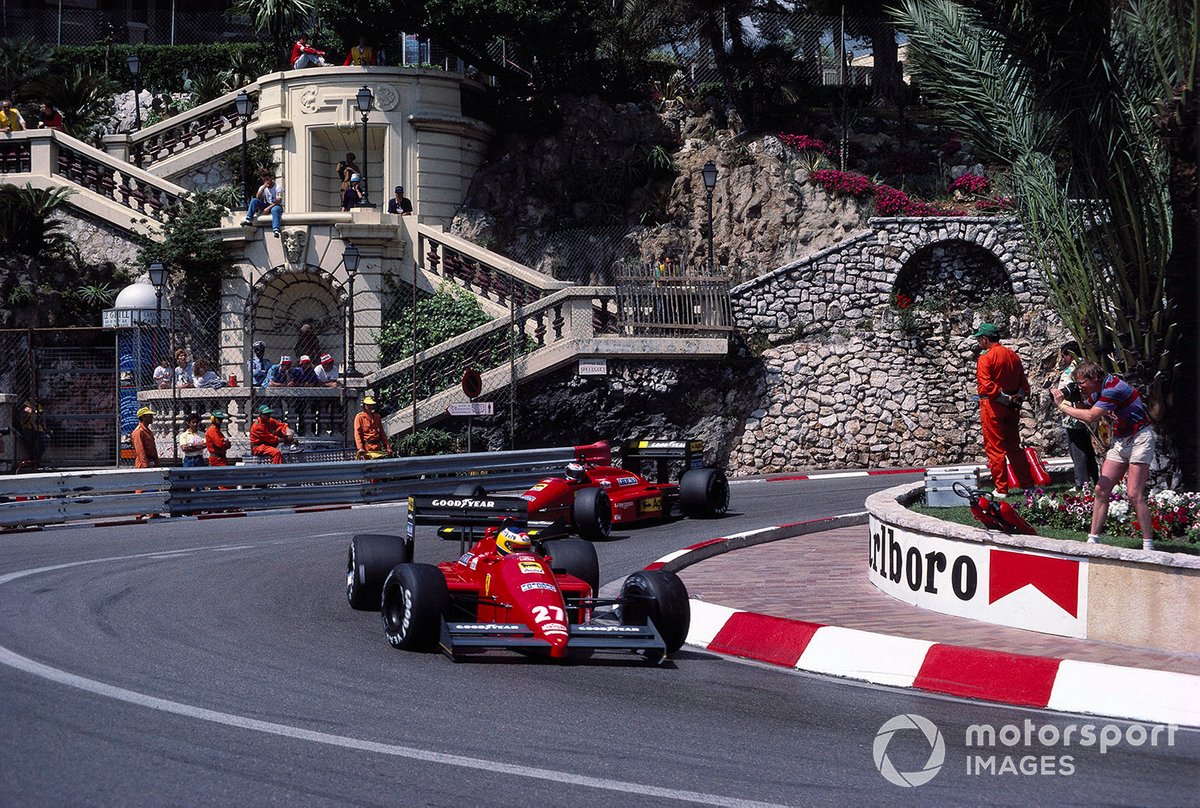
{"x":937,"y":750}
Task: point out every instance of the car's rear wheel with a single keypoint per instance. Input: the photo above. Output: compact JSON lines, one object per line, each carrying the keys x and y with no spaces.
{"x":414,"y":599}
{"x":704,"y":493}
{"x":575,"y":557}
{"x":368,"y":562}
{"x":473,"y":490}
{"x":592,"y":513}
{"x":661,"y":597}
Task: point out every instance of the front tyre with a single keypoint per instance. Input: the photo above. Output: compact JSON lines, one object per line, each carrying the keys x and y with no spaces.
{"x":592,"y":513}
{"x":660,"y":597}
{"x":414,"y":600}
{"x":704,"y":493}
{"x":370,"y":559}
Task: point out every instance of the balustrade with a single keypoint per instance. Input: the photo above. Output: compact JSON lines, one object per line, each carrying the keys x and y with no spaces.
{"x":115,"y":183}
{"x":188,"y":129}
{"x":15,"y":158}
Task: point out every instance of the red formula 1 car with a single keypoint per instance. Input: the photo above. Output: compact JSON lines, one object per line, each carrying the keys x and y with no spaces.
{"x":593,"y":495}
{"x":509,"y":589}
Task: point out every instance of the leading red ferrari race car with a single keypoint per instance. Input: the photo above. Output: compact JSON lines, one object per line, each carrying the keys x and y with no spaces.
{"x":510,"y":589}
{"x":593,"y":494}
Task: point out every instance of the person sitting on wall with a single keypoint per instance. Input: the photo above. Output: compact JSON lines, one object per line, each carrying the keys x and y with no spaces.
{"x":304,"y":55}
{"x":361,"y":55}
{"x":203,"y":376}
{"x":268,"y":199}
{"x":267,"y":433}
{"x":353,"y":196}
{"x":280,"y":375}
{"x":327,"y":374}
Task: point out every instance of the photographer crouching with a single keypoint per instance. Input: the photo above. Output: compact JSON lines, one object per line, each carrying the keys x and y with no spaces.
{"x":1079,"y":437}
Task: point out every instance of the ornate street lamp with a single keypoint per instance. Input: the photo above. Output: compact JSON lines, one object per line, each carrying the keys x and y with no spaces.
{"x":158,"y":279}
{"x":350,"y":258}
{"x":242,"y":102}
{"x":364,"y":100}
{"x":709,"y":173}
{"x":135,"y":69}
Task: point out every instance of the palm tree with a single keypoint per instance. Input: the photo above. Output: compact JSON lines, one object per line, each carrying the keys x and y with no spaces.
{"x":1078,"y":97}
{"x":26,"y":226}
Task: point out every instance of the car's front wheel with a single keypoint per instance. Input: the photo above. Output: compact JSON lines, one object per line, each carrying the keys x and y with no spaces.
{"x":370,"y":558}
{"x":704,"y":493}
{"x":414,"y":600}
{"x":660,"y":597}
{"x":592,"y":513}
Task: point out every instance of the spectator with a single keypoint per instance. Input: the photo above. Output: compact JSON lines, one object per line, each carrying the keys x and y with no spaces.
{"x":162,"y":374}
{"x":145,"y":452}
{"x":266,"y":434}
{"x":183,"y":368}
{"x":327,"y":375}
{"x":203,"y":376}
{"x":192,"y":443}
{"x":216,"y":441}
{"x":10,"y":117}
{"x":268,"y":199}
{"x":400,"y":204}
{"x":307,"y":341}
{"x":258,"y":363}
{"x":1003,"y":387}
{"x":1079,"y":439}
{"x":304,"y":376}
{"x":1108,"y":396}
{"x":280,"y":375}
{"x":361,"y":55}
{"x":31,"y":426}
{"x":353,"y":196}
{"x":304,"y":55}
{"x":369,"y":436}
{"x":51,"y":118}
{"x":345,"y":170}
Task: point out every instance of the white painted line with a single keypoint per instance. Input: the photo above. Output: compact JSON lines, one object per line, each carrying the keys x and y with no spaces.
{"x":673,"y":556}
{"x":878,"y":658}
{"x":707,"y":620}
{"x":1137,"y":693}
{"x":839,"y":475}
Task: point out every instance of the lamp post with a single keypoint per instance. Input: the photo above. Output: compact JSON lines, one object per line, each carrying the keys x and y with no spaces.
{"x":709,"y":172}
{"x":158,"y":279}
{"x":364,"y":99}
{"x":134,"y":63}
{"x":350,"y":258}
{"x":242,"y":102}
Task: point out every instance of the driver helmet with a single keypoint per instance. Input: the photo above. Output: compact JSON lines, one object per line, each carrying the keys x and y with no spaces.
{"x":576,"y":473}
{"x":510,"y":540}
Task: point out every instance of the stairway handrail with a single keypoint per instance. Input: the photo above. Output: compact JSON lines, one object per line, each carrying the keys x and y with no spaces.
{"x":215,"y":112}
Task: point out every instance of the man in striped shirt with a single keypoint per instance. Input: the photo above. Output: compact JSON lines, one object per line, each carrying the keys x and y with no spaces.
{"x":1132,"y":452}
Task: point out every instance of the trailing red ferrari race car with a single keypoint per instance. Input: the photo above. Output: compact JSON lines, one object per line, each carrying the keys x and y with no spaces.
{"x":592,"y":494}
{"x":509,"y":589}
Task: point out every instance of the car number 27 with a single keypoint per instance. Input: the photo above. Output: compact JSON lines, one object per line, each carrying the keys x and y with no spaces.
{"x":543,"y":613}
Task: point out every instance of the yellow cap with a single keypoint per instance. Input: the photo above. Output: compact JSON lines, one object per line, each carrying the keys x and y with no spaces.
{"x":145,"y":411}
{"x":369,"y":400}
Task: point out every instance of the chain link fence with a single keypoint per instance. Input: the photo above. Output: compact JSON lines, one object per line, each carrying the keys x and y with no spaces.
{"x":140,"y":24}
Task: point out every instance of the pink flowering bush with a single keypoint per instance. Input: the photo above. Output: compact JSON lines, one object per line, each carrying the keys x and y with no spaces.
{"x":848,"y":183}
{"x":997,"y":204}
{"x":806,"y":143}
{"x":969,"y":184}
{"x":1174,"y":515}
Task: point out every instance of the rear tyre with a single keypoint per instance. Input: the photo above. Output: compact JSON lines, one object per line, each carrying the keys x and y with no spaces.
{"x":704,"y":493}
{"x":370,"y":559}
{"x":592,"y":513}
{"x":658,"y":596}
{"x":414,"y":599}
{"x":575,"y":557}
{"x":472,"y":490}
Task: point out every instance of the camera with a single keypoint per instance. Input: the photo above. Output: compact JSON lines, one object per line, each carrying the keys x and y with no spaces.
{"x":1072,"y":393}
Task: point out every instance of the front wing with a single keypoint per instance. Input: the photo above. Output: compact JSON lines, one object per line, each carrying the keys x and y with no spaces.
{"x":461,"y":636}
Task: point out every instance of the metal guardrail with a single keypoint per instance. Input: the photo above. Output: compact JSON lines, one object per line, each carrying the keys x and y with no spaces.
{"x":37,"y":499}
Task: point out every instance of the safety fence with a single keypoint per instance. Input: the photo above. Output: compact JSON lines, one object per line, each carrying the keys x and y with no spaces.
{"x":38,"y":499}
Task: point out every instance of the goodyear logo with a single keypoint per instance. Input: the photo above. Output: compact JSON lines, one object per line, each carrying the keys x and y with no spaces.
{"x":611,"y":629}
{"x":486,"y":627}
{"x":461,"y":503}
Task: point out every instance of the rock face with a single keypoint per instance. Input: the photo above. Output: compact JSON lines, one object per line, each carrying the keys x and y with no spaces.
{"x":95,"y":238}
{"x":207,"y":176}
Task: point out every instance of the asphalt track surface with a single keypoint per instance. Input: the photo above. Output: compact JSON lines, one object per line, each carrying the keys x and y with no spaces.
{"x":189,"y":662}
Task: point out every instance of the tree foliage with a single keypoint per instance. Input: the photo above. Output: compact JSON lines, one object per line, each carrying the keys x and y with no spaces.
{"x":27,"y":225}
{"x":445,"y":314}
{"x":191,"y":253}
{"x":1075,"y":96}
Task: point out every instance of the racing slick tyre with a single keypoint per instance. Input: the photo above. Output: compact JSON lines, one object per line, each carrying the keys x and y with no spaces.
{"x":704,"y":493}
{"x":371,"y":558}
{"x":592,"y":513}
{"x":472,"y":490}
{"x":659,"y":596}
{"x":414,"y":599}
{"x":575,"y":557}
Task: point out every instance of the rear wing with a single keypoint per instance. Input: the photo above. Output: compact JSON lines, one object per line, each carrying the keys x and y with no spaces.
{"x":465,"y":512}
{"x":690,"y":453}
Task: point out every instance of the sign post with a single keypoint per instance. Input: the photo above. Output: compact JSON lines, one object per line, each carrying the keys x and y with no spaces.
{"x":472,"y":386}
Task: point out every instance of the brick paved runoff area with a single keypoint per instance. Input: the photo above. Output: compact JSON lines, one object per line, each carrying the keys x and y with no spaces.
{"x":822,"y":578}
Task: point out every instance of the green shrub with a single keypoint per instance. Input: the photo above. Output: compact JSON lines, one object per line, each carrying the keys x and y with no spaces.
{"x":426,"y":442}
{"x":163,"y":66}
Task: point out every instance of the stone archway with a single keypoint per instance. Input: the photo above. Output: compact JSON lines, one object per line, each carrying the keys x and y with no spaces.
{"x":285,"y":298}
{"x":949,"y":282}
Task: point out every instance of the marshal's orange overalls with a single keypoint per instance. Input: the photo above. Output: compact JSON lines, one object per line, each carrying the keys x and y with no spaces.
{"x":999,"y":370}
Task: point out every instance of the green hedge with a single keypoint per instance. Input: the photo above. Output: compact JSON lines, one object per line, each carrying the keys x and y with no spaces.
{"x":162,"y":65}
